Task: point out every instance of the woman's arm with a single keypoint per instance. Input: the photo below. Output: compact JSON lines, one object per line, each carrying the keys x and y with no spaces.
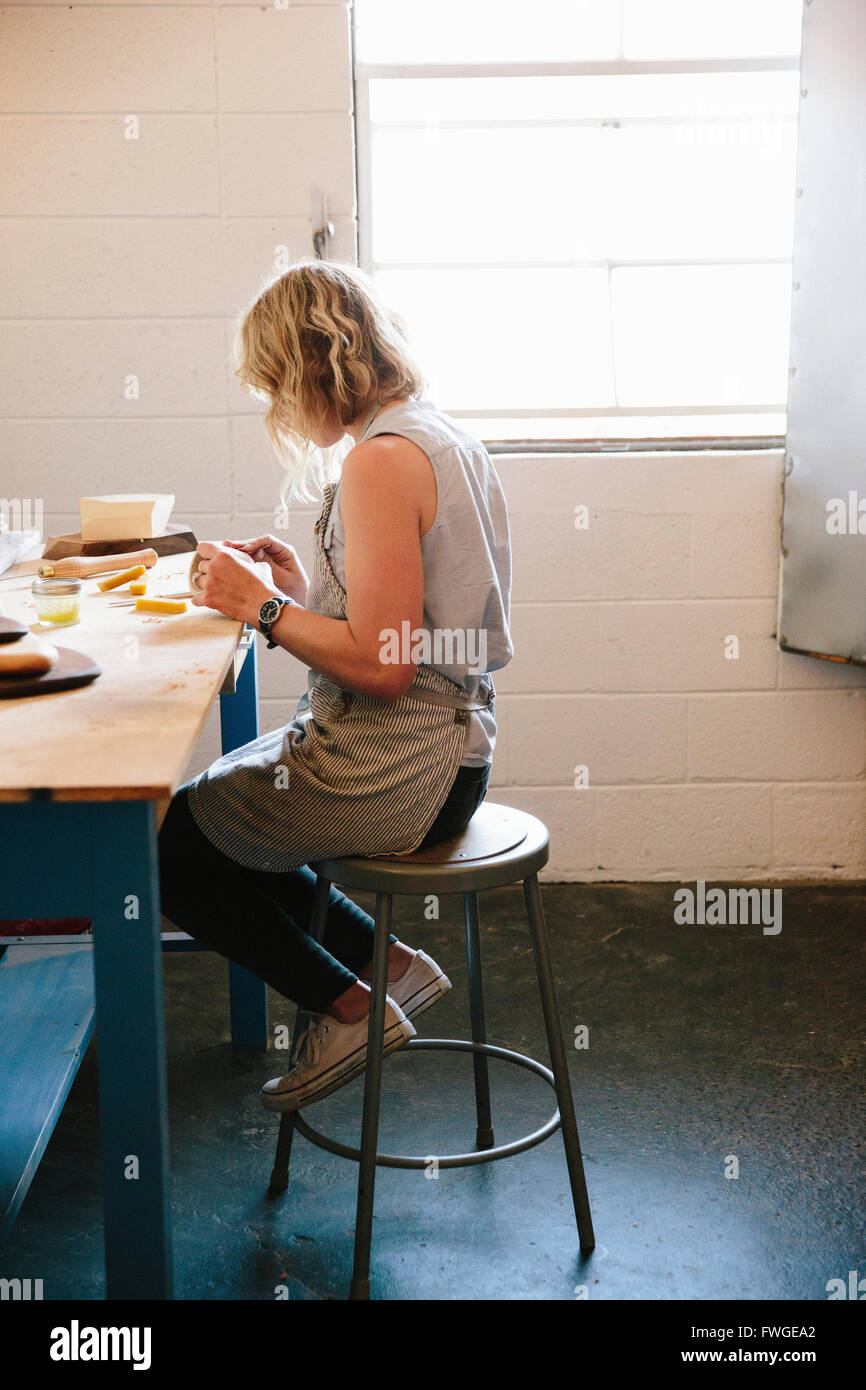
{"x":382,"y":496}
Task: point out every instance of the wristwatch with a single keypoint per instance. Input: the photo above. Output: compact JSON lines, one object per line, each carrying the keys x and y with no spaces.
{"x":268,"y":614}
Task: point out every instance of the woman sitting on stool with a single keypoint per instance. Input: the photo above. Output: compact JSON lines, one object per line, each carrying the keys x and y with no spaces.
{"x":404,"y":617}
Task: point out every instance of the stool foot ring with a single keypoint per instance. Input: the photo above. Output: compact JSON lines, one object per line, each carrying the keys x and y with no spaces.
{"x":464,"y":1160}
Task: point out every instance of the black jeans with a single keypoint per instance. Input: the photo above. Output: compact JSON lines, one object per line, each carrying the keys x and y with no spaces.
{"x":260,"y":920}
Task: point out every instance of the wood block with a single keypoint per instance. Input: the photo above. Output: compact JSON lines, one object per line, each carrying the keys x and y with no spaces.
{"x":121,"y":514}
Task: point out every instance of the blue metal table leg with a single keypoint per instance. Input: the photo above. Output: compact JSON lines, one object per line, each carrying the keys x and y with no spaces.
{"x":133,"y":1117}
{"x":103,"y":865}
{"x":239,"y":712}
{"x":239,"y":724}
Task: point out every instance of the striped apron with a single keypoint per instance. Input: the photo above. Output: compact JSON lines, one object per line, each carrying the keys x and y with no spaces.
{"x":351,"y":774}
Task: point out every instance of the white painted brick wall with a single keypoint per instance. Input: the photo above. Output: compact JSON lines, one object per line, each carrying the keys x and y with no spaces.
{"x":699,"y":766}
{"x":133,"y":257}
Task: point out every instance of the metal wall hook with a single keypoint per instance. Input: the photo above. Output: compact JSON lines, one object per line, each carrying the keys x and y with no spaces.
{"x":323,"y":233}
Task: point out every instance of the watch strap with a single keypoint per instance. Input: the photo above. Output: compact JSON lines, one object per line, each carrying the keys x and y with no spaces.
{"x":265,"y":628}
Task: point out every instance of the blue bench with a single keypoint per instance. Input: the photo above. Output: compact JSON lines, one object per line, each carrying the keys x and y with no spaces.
{"x":46,"y":1022}
{"x":47,"y":1015}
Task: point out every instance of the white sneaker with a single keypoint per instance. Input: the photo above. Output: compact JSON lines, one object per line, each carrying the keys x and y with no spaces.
{"x":422,"y":985}
{"x":329,"y":1054}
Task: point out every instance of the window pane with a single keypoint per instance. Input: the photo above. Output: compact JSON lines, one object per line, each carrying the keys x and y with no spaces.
{"x":689,"y":335}
{"x":487,"y":195}
{"x":485,"y":31}
{"x":491,"y":339}
{"x":700,"y":29}
{"x":719,"y":189}
{"x":637,"y":192}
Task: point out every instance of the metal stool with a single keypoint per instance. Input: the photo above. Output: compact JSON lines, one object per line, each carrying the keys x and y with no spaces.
{"x":500,"y":846}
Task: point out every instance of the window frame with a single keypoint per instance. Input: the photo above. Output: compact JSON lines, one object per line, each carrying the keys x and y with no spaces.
{"x":364,"y":73}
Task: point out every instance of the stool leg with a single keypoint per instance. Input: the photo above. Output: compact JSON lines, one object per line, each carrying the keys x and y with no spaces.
{"x":559,"y":1066}
{"x":484,"y":1130}
{"x":280,"y":1171}
{"x":360,"y":1287}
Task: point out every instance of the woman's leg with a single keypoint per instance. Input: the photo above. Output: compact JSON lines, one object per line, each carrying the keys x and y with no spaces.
{"x":349,"y":930}
{"x":259,"y":919}
{"x":230,"y":909}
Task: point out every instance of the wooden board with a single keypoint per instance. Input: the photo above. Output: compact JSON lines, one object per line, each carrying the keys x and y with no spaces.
{"x":10,"y":630}
{"x":178,"y":540}
{"x":128,"y":735}
{"x":72,"y":670}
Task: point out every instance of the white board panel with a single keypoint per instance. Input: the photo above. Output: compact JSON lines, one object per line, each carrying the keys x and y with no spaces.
{"x":823,"y":603}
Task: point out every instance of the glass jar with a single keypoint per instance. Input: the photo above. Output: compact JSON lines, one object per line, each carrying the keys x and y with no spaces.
{"x":58,"y":601}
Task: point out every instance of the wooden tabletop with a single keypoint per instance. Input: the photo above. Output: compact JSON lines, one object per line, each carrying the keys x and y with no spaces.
{"x":129,"y":735}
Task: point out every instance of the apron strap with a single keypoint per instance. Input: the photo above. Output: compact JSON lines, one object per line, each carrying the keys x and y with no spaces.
{"x":435,"y":697}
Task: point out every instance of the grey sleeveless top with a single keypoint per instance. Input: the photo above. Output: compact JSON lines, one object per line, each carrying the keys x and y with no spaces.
{"x":466,"y":556}
{"x":349,"y":774}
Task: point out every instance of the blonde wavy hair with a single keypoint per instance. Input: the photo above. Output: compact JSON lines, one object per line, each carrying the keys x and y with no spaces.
{"x":317,"y":339}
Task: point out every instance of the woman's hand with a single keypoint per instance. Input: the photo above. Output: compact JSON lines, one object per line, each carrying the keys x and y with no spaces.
{"x":231,"y":582}
{"x":287,"y":572}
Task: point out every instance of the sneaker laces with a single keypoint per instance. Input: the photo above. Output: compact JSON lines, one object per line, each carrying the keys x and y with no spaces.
{"x":308,"y":1048}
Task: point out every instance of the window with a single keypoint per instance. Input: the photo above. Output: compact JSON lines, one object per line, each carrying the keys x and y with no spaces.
{"x":583,"y":209}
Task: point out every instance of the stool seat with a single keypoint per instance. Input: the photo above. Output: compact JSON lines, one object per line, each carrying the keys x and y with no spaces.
{"x":500,"y":845}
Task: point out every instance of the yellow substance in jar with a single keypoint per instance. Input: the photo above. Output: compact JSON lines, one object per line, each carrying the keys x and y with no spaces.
{"x":63,"y":611}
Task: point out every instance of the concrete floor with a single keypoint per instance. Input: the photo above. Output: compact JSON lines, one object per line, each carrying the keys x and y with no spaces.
{"x":705,"y":1042}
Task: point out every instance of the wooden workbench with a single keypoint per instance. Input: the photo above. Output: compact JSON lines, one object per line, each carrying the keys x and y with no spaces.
{"x":128,"y":735}
{"x":84,"y":776}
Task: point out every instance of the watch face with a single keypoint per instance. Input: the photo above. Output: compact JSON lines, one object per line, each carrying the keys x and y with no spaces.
{"x":269,"y":611}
